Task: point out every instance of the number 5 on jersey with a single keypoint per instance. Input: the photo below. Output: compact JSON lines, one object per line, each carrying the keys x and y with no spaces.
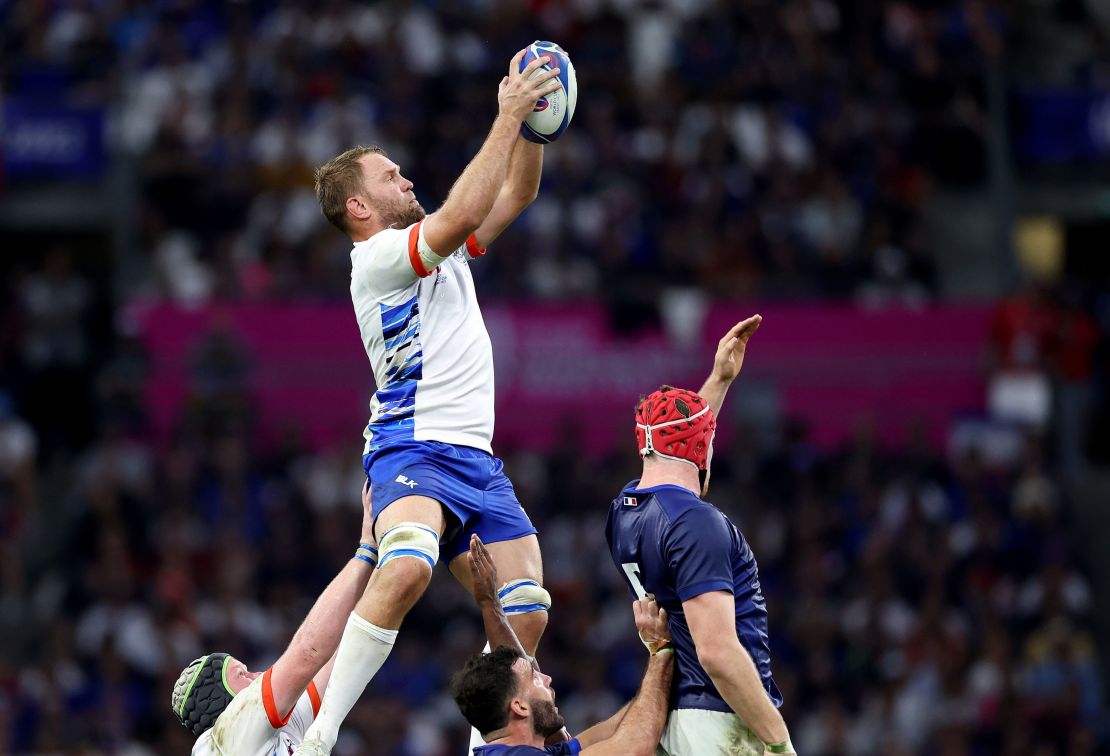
{"x":632,"y":572}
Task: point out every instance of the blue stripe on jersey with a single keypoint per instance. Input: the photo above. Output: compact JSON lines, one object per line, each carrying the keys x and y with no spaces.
{"x":383,"y":434}
{"x":395,"y":319}
{"x":403,"y":337}
{"x":395,"y":399}
{"x":406,"y":371}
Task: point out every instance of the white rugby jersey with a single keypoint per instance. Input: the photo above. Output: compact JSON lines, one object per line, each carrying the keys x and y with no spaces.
{"x":426,"y":340}
{"x":252,"y":726}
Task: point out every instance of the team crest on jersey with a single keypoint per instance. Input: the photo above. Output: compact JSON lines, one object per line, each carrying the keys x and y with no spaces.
{"x":629,"y":501}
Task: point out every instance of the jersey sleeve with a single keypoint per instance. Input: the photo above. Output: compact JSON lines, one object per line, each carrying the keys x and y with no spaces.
{"x":303,"y":714}
{"x":567,"y":748}
{"x":391,"y":260}
{"x":394,"y":259}
{"x":698,"y":548}
{"x":244,"y":727}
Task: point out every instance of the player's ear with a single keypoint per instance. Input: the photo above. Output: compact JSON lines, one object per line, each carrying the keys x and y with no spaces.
{"x":519,"y":707}
{"x":358,"y":207}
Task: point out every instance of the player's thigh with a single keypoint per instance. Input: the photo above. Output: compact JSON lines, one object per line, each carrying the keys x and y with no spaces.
{"x":399,"y":581}
{"x":518,"y":559}
{"x":419,"y":509}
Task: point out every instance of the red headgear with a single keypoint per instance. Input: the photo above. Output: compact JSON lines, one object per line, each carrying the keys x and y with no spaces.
{"x":676,"y":424}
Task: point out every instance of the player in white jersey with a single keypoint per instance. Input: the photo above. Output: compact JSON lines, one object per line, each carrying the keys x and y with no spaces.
{"x":428,"y":453}
{"x":236,"y":712}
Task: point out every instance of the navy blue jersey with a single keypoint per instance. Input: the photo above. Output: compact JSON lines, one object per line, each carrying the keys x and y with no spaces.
{"x":668,"y":542}
{"x":568,"y":748}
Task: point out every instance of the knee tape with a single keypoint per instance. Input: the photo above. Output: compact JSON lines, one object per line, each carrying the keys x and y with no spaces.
{"x":409,"y":539}
{"x":522,"y":596}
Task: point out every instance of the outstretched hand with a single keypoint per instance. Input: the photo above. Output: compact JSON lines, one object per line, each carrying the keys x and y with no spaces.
{"x":520,"y":90}
{"x":483,"y":572}
{"x":730,"y":349}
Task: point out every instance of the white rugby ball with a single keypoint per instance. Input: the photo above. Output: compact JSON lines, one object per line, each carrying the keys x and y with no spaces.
{"x":552,"y":113}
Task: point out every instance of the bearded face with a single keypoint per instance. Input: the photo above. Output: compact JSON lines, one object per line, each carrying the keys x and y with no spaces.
{"x":401,"y":213}
{"x":388,"y":193}
{"x":546,"y":719}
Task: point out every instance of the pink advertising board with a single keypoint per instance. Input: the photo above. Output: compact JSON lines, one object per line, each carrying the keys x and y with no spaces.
{"x":557,"y":364}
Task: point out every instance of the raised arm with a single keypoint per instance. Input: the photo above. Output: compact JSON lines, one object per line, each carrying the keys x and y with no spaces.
{"x":521,"y":187}
{"x":309,"y":656}
{"x":728,"y":361}
{"x":498,"y":630}
{"x":641,"y":726}
{"x":731,"y":668}
{"x":472,"y":197}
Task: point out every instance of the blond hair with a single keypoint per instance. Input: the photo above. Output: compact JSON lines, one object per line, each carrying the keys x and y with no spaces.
{"x":338,"y":179}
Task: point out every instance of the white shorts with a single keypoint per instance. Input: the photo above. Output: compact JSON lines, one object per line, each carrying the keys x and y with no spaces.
{"x":699,"y":732}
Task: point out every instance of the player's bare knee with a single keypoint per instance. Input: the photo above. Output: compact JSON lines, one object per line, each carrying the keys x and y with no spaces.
{"x":407,"y":554}
{"x":406,"y":579}
{"x":529,"y":628}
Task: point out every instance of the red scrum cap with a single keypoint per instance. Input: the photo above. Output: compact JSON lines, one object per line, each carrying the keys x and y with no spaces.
{"x":676,"y":424}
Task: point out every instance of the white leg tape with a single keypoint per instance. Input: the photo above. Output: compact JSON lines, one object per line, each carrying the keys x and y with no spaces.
{"x":409,"y":539}
{"x":523,"y":596}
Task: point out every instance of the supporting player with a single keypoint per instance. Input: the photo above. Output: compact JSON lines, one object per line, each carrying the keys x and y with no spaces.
{"x":236,"y":712}
{"x":504,"y":695}
{"x":428,"y":452}
{"x":668,"y":542}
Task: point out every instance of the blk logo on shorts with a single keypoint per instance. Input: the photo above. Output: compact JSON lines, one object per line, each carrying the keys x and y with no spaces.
{"x":406,"y":481}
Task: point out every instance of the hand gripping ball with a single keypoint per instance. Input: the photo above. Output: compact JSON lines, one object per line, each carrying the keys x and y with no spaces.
{"x":552,"y":113}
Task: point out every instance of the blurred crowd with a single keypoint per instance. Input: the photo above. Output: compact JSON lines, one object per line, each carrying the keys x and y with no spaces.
{"x":920,"y":604}
{"x":743,"y":146}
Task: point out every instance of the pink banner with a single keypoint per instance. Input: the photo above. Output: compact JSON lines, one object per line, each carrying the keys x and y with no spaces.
{"x":558,"y":365}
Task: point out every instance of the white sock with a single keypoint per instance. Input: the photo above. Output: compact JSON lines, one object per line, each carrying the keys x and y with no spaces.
{"x":362,"y":651}
{"x":475,"y":736}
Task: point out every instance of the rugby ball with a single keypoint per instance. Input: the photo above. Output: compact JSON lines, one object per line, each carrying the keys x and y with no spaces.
{"x":552,"y":113}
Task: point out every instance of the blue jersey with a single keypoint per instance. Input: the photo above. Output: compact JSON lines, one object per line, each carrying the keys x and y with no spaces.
{"x":667,"y":542}
{"x":568,"y":748}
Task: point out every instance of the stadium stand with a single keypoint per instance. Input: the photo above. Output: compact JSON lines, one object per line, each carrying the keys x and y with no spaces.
{"x":921,"y":601}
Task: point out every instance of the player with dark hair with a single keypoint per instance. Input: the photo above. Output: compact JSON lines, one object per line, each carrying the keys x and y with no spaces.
{"x":428,"y":447}
{"x":505,"y":696}
{"x":670,"y":543}
{"x":236,"y":712}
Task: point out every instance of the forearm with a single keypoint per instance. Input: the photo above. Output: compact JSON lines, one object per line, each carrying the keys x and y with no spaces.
{"x":319,"y":634}
{"x":738,"y":682}
{"x":498,"y":630}
{"x":474,"y":192}
{"x":602,"y":730}
{"x":525,"y":171}
{"x":713,"y":392}
{"x":642,"y":725}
